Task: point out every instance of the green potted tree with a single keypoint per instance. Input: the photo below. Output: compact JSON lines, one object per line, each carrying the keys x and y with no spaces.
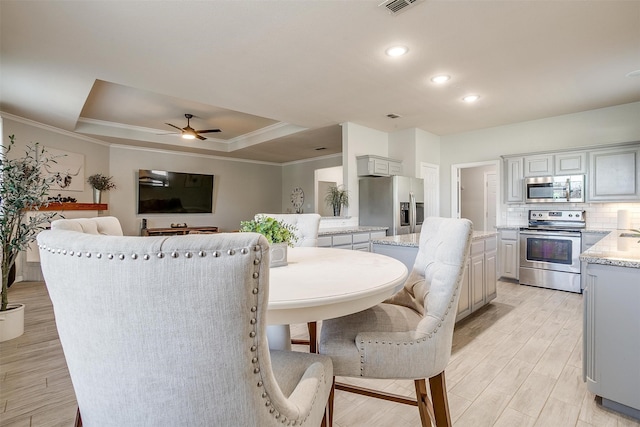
{"x":337,"y":197}
{"x":23,"y":188}
{"x":279,"y":234}
{"x":100,"y":183}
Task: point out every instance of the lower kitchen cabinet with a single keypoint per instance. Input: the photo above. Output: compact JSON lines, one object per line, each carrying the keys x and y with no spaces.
{"x":357,"y":241}
{"x":509,"y":254}
{"x":611,"y":342}
{"x":479,"y":281}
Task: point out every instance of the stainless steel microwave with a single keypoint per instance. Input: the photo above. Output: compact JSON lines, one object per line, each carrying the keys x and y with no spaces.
{"x":555,"y":189}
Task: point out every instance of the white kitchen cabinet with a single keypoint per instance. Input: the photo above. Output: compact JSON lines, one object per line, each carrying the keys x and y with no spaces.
{"x":476,"y":275}
{"x":508,"y":254}
{"x":357,"y":241}
{"x":574,"y":163}
{"x":538,"y":165}
{"x":370,"y":165}
{"x":570,"y":163}
{"x":514,"y":185}
{"x":614,"y":174}
{"x":611,"y":342}
{"x":589,"y":238}
{"x":490,"y":269}
{"x":464,"y":303}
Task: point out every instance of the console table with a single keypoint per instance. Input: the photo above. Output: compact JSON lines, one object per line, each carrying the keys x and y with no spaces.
{"x":173,"y":231}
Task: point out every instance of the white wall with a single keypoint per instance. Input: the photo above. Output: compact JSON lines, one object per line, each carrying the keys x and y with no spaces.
{"x":241,"y":189}
{"x":359,"y":141}
{"x":587,"y":129}
{"x":302,"y":174}
{"x":96,"y":153}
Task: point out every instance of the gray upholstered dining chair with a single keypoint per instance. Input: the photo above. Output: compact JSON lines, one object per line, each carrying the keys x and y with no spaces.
{"x":306,"y":230}
{"x":408,"y":336}
{"x":306,"y":225}
{"x":170,"y":331}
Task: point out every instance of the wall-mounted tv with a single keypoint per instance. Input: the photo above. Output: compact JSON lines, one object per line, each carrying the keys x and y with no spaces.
{"x":174,"y":192}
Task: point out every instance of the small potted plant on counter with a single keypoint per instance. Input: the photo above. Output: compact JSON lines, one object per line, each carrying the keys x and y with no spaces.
{"x":337,"y":197}
{"x":100,"y":183}
{"x":23,"y":190}
{"x":279,"y":234}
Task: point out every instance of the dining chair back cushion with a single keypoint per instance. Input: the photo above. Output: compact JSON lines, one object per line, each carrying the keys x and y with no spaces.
{"x":410,"y":335}
{"x":170,"y":331}
{"x":106,"y":225}
{"x":307,"y":226}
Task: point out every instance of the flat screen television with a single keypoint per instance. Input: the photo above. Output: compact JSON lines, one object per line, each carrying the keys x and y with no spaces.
{"x":174,"y":192}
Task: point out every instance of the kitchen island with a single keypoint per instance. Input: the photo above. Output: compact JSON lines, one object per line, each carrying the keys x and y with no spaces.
{"x":479,"y":283}
{"x":611,"y":336}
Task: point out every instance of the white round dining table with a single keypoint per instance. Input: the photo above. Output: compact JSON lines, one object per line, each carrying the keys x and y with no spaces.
{"x":323,"y":283}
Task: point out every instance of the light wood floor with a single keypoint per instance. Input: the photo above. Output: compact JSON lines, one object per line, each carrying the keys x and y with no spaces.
{"x":515,"y":363}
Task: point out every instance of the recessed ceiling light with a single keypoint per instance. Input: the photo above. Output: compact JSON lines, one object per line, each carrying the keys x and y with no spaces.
{"x":635,"y":73}
{"x":397,"y":50}
{"x":440,"y":79}
{"x":471,"y":98}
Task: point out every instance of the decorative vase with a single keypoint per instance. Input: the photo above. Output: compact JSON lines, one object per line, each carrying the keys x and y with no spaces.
{"x":12,"y":322}
{"x":336,"y":210}
{"x":97,"y":194}
{"x":278,"y":253}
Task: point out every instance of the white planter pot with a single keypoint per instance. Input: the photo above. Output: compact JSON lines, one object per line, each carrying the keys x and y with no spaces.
{"x":278,"y":254}
{"x":12,"y":322}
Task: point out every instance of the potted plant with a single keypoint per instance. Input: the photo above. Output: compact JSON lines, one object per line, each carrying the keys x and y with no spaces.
{"x":100,"y":183}
{"x":278,"y":233}
{"x":23,"y":188}
{"x":337,"y":197}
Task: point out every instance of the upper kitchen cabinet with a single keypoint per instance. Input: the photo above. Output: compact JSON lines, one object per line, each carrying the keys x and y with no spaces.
{"x":514,"y":188}
{"x":370,"y":165}
{"x":572,"y":163}
{"x":614,"y":174}
{"x":538,"y":165}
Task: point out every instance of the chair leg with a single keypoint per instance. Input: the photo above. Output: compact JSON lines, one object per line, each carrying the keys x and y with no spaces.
{"x":330,"y":403}
{"x":78,"y":422}
{"x":313,"y":337}
{"x":423,"y":402}
{"x":440,"y":401}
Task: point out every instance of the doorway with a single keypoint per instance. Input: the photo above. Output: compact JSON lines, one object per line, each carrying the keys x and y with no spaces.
{"x":475,"y":190}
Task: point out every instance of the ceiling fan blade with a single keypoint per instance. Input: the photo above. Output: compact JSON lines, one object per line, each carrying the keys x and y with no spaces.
{"x":201,"y":138}
{"x":174,"y":126}
{"x":208,"y":130}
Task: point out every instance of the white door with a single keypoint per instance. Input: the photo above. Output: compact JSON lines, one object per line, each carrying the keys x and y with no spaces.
{"x":490,"y":194}
{"x":430,"y":173}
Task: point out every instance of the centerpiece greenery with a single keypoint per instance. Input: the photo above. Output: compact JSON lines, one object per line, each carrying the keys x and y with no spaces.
{"x":275,"y":231}
{"x":337,"y":197}
{"x":23,"y":188}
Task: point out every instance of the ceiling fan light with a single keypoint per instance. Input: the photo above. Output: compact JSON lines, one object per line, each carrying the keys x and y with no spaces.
{"x":188,"y":135}
{"x":440,"y":79}
{"x":397,"y":50}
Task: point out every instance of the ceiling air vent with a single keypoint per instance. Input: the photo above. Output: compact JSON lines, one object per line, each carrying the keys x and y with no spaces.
{"x":396,"y":6}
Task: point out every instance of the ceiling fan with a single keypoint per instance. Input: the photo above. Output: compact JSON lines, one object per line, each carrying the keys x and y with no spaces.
{"x":190,"y":133}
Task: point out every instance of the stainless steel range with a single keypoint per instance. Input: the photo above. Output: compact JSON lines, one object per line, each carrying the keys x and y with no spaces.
{"x":550,"y":249}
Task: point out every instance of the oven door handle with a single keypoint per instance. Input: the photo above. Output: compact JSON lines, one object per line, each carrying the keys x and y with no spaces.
{"x":550,"y":234}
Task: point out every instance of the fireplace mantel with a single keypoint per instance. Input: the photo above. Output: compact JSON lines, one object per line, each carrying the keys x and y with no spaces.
{"x":55,"y":206}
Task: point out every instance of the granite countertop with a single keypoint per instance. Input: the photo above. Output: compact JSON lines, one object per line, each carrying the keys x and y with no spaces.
{"x":615,"y":250}
{"x":349,"y":230}
{"x":413,"y":240}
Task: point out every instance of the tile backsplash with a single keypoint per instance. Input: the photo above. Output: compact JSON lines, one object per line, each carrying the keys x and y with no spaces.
{"x":602,"y":216}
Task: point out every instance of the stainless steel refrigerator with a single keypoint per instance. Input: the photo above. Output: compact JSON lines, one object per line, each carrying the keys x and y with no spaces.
{"x":396,"y":202}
